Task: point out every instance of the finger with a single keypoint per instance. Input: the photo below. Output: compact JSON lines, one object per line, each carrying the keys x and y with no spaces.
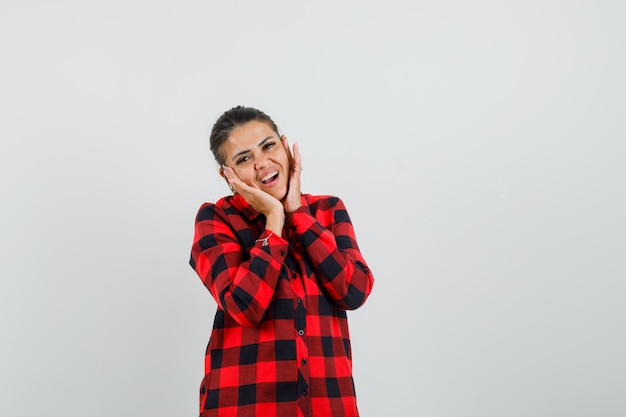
{"x":297,"y":158}
{"x":292,"y":200}
{"x":288,"y":150}
{"x":231,"y":175}
{"x":294,"y":183}
{"x":296,"y":165}
{"x":248,"y":192}
{"x":286,"y":144}
{"x":233,"y":179}
{"x":228,"y":173}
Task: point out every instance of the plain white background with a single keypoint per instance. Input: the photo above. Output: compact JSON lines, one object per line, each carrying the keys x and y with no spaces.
{"x":479,"y":147}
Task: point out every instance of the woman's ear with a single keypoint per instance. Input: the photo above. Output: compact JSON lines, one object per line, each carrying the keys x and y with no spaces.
{"x":221,"y":172}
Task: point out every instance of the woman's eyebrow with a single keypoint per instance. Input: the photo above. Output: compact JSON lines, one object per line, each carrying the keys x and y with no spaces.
{"x":238,"y":154}
{"x":265,"y":140}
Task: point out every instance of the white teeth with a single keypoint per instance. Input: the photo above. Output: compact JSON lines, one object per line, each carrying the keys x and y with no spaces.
{"x":268,"y":176}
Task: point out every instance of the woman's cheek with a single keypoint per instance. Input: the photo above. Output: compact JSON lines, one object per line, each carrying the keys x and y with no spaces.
{"x":248,"y":178}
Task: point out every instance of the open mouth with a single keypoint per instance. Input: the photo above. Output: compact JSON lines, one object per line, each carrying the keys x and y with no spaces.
{"x":269,"y":178}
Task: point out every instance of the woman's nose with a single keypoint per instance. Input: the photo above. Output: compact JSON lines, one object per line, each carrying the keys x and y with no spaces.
{"x":261,"y":161}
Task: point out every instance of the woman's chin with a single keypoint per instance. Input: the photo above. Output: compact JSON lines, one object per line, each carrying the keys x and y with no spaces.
{"x":277,"y":189}
{"x":278,"y":193}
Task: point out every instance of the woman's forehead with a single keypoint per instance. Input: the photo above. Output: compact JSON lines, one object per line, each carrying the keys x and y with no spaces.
{"x":250,"y":135}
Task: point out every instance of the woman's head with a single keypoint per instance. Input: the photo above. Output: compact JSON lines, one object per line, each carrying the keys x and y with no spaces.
{"x":227,"y":122}
{"x":247,"y":140}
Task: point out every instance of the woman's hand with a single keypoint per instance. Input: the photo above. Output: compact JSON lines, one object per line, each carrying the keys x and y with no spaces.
{"x":261,"y":201}
{"x":292,"y":200}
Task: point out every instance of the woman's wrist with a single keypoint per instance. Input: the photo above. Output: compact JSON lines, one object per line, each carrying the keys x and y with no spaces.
{"x":275,"y":222}
{"x":290,"y":209}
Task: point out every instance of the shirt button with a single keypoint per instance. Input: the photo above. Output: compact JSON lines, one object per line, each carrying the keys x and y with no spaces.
{"x":299,"y":301}
{"x":303,"y":393}
{"x":301,"y":332}
{"x":294,"y":276}
{"x":282,"y":253}
{"x":303,"y":362}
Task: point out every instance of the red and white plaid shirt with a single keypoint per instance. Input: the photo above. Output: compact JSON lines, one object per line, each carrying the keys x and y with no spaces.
{"x":280,"y":344}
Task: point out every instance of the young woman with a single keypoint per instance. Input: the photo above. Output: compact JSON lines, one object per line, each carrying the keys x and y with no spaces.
{"x":283,"y":268}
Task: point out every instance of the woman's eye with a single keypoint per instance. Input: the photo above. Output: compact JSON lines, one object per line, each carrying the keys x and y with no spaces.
{"x":269,"y":145}
{"x":242,"y":160}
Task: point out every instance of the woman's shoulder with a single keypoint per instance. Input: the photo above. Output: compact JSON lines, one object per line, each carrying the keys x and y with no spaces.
{"x":323,"y":201}
{"x":208,"y":210}
{"x":229,"y":209}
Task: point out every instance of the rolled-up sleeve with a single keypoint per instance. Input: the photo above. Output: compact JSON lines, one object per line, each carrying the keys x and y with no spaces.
{"x":329,"y":241}
{"x":242,"y":282}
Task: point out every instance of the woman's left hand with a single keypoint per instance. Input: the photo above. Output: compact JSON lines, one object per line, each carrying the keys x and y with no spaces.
{"x":292,"y":200}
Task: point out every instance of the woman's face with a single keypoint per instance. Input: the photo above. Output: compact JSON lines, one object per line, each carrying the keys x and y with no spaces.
{"x":257,"y":155}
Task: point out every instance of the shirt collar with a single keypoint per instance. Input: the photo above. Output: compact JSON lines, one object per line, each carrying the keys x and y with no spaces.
{"x":240,"y":203}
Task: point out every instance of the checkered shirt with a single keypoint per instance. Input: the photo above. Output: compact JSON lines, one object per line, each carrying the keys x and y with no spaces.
{"x":280,"y":344}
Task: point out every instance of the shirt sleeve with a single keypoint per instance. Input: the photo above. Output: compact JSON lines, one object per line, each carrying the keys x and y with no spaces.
{"x":341,"y":270}
{"x":241,"y":283}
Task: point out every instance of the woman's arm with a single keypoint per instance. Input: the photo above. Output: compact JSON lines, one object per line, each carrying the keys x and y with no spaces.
{"x":242,"y":286}
{"x":329,"y":241}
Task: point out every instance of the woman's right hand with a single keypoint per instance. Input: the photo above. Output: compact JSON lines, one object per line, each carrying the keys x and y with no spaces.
{"x":261,"y":201}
